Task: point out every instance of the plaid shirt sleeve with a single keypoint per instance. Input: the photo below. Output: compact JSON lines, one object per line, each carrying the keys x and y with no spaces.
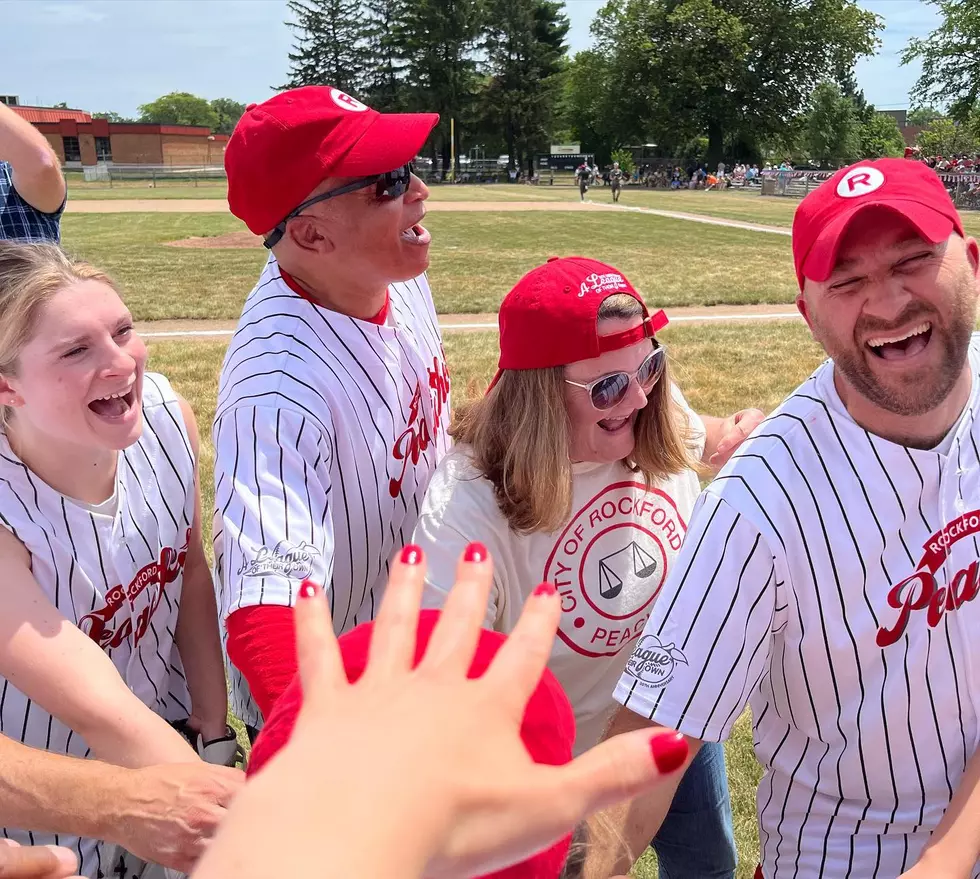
{"x":20,"y":221}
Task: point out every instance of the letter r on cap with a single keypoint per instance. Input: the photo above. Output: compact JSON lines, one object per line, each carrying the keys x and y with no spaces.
{"x":860,"y":181}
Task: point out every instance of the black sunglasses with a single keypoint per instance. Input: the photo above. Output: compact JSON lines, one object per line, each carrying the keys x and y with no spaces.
{"x":609,"y":390}
{"x":391,"y":184}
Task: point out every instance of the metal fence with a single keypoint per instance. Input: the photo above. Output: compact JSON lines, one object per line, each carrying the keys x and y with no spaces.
{"x":153,"y":175}
{"x":963,"y":188}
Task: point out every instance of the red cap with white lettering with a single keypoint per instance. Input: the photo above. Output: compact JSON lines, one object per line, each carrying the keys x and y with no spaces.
{"x":550,"y":317}
{"x":910,"y":189}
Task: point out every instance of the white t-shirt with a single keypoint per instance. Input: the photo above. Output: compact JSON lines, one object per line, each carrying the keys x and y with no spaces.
{"x":608,"y":561}
{"x":828,"y":580}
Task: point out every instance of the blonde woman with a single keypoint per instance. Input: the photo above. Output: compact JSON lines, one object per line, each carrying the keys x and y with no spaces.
{"x":580,"y":468}
{"x":108,"y":625}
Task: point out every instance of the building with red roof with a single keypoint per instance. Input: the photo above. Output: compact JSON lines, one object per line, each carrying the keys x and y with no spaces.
{"x":80,"y":140}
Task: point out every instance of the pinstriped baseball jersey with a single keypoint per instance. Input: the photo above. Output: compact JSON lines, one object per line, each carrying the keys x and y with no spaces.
{"x":117,"y":576}
{"x":828,"y":580}
{"x":326,"y":433}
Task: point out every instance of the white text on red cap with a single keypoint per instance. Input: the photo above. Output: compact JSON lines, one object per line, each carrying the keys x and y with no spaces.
{"x":860,"y":181}
{"x":346,"y":102}
{"x":596,"y":283}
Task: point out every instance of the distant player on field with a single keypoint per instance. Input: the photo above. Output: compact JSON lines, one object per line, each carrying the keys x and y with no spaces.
{"x":334,"y":396}
{"x":829,"y":574}
{"x":615,"y":180}
{"x":582,"y":176}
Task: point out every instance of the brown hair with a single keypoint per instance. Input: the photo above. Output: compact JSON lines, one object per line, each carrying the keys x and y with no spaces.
{"x":519,"y":438}
{"x":30,"y":274}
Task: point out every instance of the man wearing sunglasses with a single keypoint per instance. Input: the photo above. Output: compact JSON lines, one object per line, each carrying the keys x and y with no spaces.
{"x":831,"y":572}
{"x":334,"y":396}
{"x":579,"y":467}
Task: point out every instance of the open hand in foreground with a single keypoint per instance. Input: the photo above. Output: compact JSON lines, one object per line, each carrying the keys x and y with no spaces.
{"x":422,"y":771}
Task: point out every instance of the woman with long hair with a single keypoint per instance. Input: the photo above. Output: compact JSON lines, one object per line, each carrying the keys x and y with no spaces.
{"x":580,"y":467}
{"x":108,"y":625}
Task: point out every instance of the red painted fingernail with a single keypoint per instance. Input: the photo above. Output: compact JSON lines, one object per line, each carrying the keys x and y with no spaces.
{"x":544,"y":589}
{"x":411,"y":555}
{"x":308,"y":589}
{"x":475,"y":552}
{"x":669,"y":751}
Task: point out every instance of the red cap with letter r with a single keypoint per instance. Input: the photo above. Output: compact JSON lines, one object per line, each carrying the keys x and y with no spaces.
{"x":910,"y":189}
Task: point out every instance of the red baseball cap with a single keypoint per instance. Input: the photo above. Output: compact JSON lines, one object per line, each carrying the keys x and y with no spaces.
{"x":283,"y":148}
{"x":550,"y":316}
{"x":548,"y":728}
{"x":910,"y":189}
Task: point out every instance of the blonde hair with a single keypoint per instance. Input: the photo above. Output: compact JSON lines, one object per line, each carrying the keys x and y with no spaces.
{"x":519,"y":436}
{"x":30,"y":275}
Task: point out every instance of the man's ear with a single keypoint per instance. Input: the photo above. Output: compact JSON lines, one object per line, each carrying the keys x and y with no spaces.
{"x":973,"y":255}
{"x":804,"y":309}
{"x":309,"y":235}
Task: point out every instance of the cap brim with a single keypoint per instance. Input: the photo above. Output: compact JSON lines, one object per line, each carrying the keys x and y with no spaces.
{"x":393,"y":140}
{"x":932,"y":225}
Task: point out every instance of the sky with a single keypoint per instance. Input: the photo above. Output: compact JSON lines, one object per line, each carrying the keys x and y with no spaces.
{"x":100,"y":55}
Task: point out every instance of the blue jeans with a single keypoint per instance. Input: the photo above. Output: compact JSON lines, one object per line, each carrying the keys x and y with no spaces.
{"x":696,"y":840}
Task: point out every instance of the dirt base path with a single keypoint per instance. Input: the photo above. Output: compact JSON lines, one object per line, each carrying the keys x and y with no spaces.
{"x":203,"y":330}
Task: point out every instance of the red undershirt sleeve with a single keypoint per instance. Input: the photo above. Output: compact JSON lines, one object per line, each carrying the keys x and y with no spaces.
{"x":262,"y":645}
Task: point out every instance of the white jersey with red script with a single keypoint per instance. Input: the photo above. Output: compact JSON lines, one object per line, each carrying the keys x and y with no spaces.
{"x":327,"y":432}
{"x":608,"y":561}
{"x":116,"y":574}
{"x":828,"y":580}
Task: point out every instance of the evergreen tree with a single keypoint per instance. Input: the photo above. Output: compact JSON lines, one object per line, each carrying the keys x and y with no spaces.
{"x":438,"y":41}
{"x":331,"y":44}
{"x":525,"y":49}
{"x":384,"y":75}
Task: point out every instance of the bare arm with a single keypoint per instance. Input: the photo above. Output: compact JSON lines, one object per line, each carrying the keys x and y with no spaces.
{"x":618,"y":835}
{"x":67,"y":674}
{"x":197,"y":634}
{"x":954,"y":848}
{"x":58,"y":794}
{"x":161,"y":813}
{"x":36,"y":170}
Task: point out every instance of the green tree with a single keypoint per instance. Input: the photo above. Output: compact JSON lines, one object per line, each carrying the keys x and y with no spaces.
{"x":950,"y":58}
{"x":625,"y":159}
{"x":923,"y":116}
{"x":111,"y":116}
{"x":880,"y":136}
{"x":738,"y":71}
{"x":438,"y":41}
{"x":946,"y":137}
{"x":524,"y":48}
{"x":384,"y":74}
{"x":330,"y":44}
{"x":179,"y":108}
{"x":229,"y":112}
{"x":833,"y":130}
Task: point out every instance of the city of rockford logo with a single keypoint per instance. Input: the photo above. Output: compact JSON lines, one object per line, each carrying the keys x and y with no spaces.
{"x":610,"y":562}
{"x":653,"y":662}
{"x":921,"y":591}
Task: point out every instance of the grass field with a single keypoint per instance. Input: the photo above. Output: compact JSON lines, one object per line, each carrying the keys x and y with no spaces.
{"x":748,"y":207}
{"x":720,"y":368}
{"x":476,"y":258}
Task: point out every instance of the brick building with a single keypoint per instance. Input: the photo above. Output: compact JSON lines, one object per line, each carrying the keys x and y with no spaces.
{"x":80,"y":140}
